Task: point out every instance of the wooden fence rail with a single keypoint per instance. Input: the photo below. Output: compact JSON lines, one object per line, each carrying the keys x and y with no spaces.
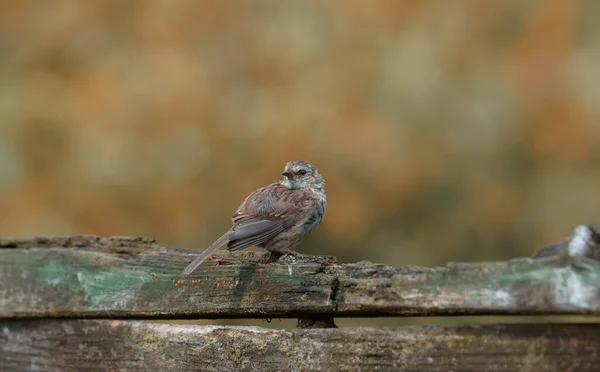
{"x":65,"y":301}
{"x":84,"y":345}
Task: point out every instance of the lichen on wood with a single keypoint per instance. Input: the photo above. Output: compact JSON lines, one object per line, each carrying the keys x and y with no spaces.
{"x":133,"y":277}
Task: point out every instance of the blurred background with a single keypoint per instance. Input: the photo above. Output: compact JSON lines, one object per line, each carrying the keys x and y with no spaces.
{"x":446,"y":131}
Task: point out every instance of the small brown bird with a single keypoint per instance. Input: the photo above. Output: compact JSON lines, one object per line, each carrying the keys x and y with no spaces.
{"x":276,"y":217}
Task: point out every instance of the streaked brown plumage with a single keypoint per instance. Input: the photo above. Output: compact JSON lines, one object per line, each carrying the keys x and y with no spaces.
{"x":276,"y":217}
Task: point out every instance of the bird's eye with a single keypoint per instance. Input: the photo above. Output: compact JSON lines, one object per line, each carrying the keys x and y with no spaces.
{"x":301,"y":172}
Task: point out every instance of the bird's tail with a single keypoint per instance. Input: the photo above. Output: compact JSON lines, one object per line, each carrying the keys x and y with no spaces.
{"x":206,"y":254}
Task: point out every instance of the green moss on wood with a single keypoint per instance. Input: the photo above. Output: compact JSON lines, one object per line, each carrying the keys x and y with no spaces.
{"x":134,"y":277}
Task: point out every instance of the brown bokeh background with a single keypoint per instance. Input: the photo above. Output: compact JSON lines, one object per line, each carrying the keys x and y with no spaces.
{"x":462,"y":130}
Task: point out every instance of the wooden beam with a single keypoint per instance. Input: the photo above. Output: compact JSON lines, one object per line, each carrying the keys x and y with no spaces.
{"x":124,"y":277}
{"x":114,"y":345}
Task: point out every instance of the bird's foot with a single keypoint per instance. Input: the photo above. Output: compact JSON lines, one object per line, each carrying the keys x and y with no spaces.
{"x":276,"y":256}
{"x":290,"y":253}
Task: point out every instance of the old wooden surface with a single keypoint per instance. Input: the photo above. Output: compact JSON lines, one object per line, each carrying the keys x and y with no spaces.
{"x":88,"y":276}
{"x":114,"y":345}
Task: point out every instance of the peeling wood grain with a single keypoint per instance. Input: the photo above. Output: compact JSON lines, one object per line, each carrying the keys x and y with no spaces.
{"x":113,"y":345}
{"x":132,"y":277}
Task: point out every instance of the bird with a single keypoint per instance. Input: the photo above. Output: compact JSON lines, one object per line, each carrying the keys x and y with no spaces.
{"x":585,"y":242}
{"x":276,"y":217}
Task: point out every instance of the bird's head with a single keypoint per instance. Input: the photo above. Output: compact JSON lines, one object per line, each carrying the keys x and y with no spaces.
{"x":301,"y":174}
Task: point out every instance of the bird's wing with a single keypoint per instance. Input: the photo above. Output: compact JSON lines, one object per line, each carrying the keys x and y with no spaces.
{"x":264,"y":214}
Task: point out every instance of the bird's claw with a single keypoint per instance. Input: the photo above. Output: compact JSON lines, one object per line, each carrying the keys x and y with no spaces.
{"x":276,"y":257}
{"x":288,"y":254}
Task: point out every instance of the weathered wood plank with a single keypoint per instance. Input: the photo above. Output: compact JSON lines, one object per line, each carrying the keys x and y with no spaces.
{"x":87,"y":276}
{"x":113,"y":345}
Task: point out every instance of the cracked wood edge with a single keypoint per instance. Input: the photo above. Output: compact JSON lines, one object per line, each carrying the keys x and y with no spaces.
{"x":134,"y":277}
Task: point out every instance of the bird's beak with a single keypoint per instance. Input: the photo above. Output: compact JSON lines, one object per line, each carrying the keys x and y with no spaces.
{"x":287,"y":174}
